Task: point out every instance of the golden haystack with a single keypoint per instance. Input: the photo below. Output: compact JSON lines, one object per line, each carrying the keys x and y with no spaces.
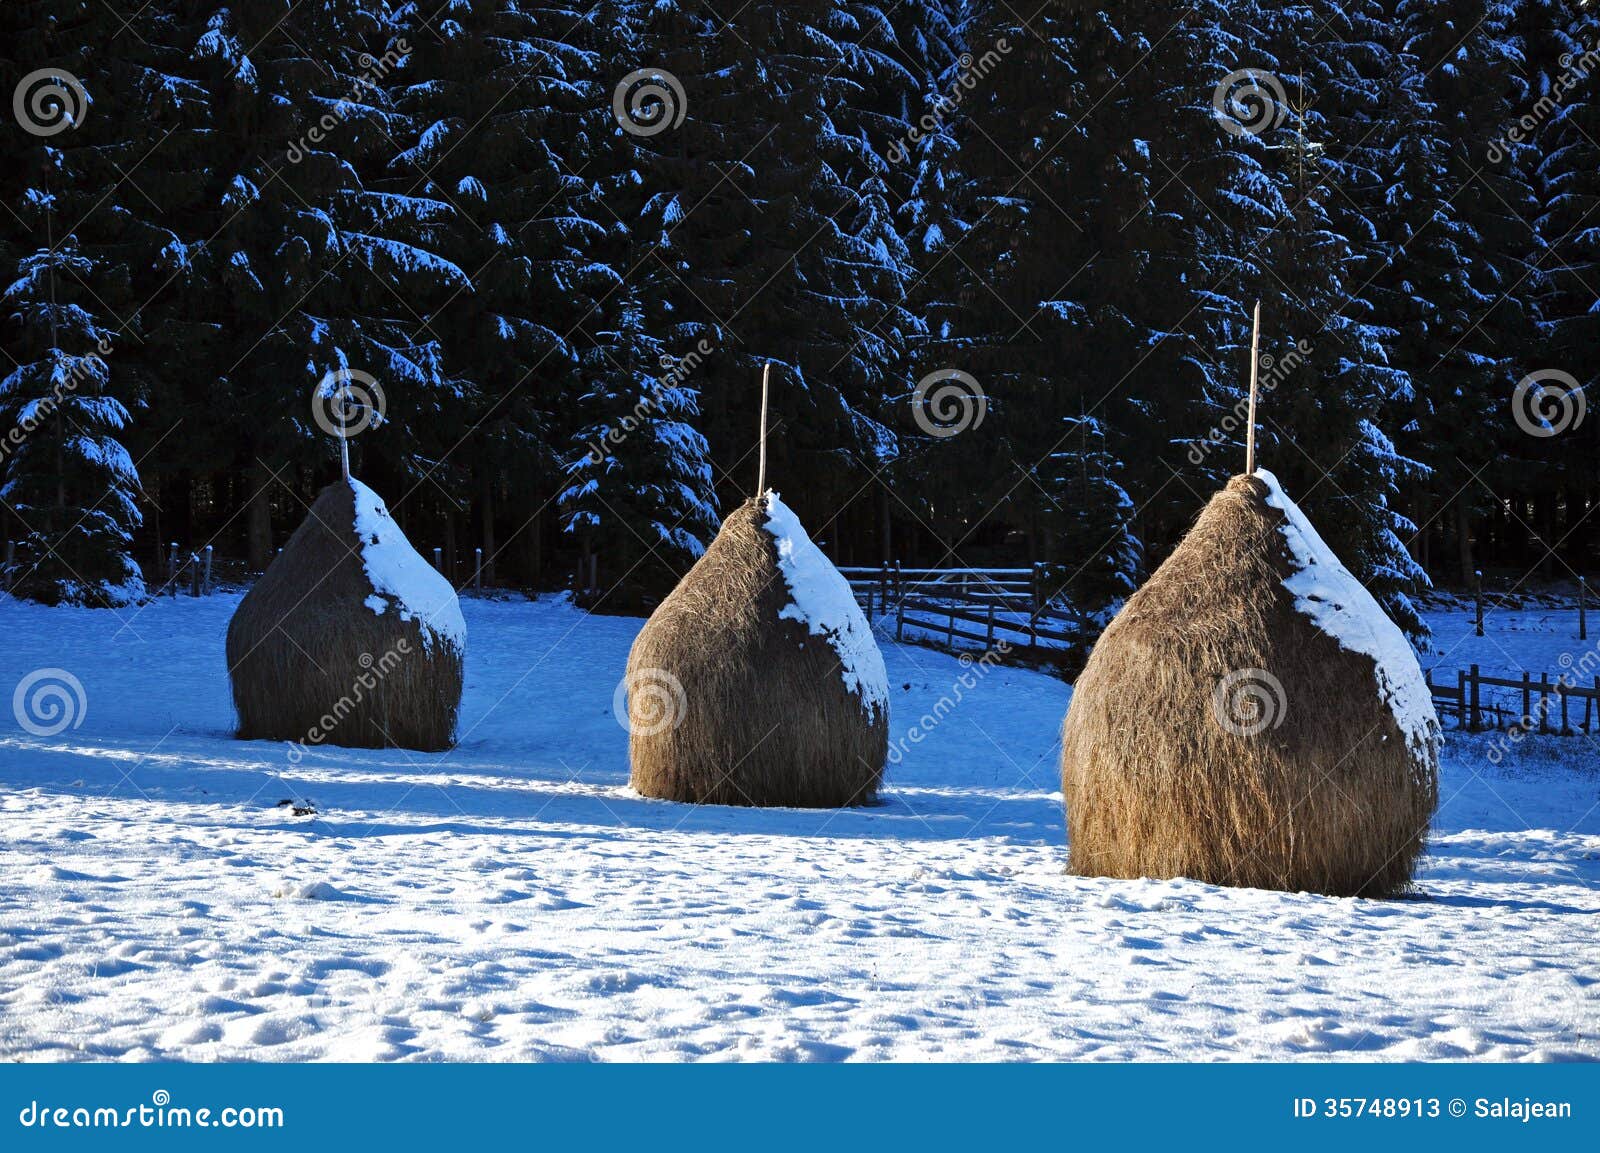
{"x":736,"y":698}
{"x":1219,"y":730}
{"x":349,"y":637}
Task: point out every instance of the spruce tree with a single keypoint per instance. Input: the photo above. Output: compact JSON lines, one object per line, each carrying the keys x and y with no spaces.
{"x":69,"y":482}
{"x":1324,"y":425}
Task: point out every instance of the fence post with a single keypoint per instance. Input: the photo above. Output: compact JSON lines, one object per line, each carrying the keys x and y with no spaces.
{"x":1527,"y":703}
{"x":1476,"y":717}
{"x":438,"y":558}
{"x":991,"y":625}
{"x":1477,"y":585}
{"x":899,"y":583}
{"x":1583,"y":608}
{"x":172,"y":568}
{"x":11,"y":553}
{"x":1561,"y":691}
{"x":206,"y":584}
{"x":1544,"y":709}
{"x":1461,"y":698}
{"x":900,"y":619}
{"x":194,"y":575}
{"x":477,"y":569}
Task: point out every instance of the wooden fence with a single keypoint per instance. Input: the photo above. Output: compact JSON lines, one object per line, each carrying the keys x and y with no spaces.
{"x":1465,"y":700}
{"x":983,"y":606}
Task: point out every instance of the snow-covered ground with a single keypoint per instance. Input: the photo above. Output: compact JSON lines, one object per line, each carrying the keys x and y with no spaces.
{"x":1533,"y":640}
{"x":512,"y":899}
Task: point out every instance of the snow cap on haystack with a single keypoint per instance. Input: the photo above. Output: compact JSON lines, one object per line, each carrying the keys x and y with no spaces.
{"x":349,"y":637}
{"x":1252,"y":717}
{"x":757,"y":681}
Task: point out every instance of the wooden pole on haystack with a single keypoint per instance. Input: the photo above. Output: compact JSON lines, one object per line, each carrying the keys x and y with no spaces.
{"x":342,"y":399}
{"x":761,"y":468}
{"x":1255,"y":369}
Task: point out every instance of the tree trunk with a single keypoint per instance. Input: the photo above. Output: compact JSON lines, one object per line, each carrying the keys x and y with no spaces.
{"x":486,"y":504}
{"x":885,"y":531}
{"x":258,"y":517}
{"x":1464,"y":539}
{"x":152,"y":488}
{"x":1546,"y":504}
{"x":450,"y":544}
{"x":533,"y":547}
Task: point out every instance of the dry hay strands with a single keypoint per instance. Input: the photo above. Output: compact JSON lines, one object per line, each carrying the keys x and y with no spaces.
{"x":1309,"y":785}
{"x":311,"y":662}
{"x":730,"y":704}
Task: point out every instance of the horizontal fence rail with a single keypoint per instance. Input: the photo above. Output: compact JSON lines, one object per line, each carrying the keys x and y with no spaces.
{"x":979,"y":606}
{"x":1541,"y":698}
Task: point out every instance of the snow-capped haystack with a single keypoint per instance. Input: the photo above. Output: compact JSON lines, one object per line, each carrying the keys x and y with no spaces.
{"x":757,"y":681}
{"x":349,"y":637}
{"x":1252,"y":717}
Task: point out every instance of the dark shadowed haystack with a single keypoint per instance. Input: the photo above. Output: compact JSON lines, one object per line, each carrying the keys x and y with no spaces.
{"x":1222,"y":731}
{"x":757,"y":681}
{"x":349,"y":637}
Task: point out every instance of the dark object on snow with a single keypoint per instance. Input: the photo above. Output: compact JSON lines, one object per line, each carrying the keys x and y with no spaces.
{"x":731,"y":704}
{"x":1317,"y":787}
{"x":312,"y":662}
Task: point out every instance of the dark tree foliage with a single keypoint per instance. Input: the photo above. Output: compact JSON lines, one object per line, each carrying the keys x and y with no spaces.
{"x":1002,"y":263}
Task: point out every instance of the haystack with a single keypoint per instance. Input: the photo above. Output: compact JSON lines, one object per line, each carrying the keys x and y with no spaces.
{"x":757,"y":681}
{"x":1252,"y":717}
{"x":349,"y":637}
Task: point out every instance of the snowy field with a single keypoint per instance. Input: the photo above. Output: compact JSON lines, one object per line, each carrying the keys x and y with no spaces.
{"x":513,"y":900}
